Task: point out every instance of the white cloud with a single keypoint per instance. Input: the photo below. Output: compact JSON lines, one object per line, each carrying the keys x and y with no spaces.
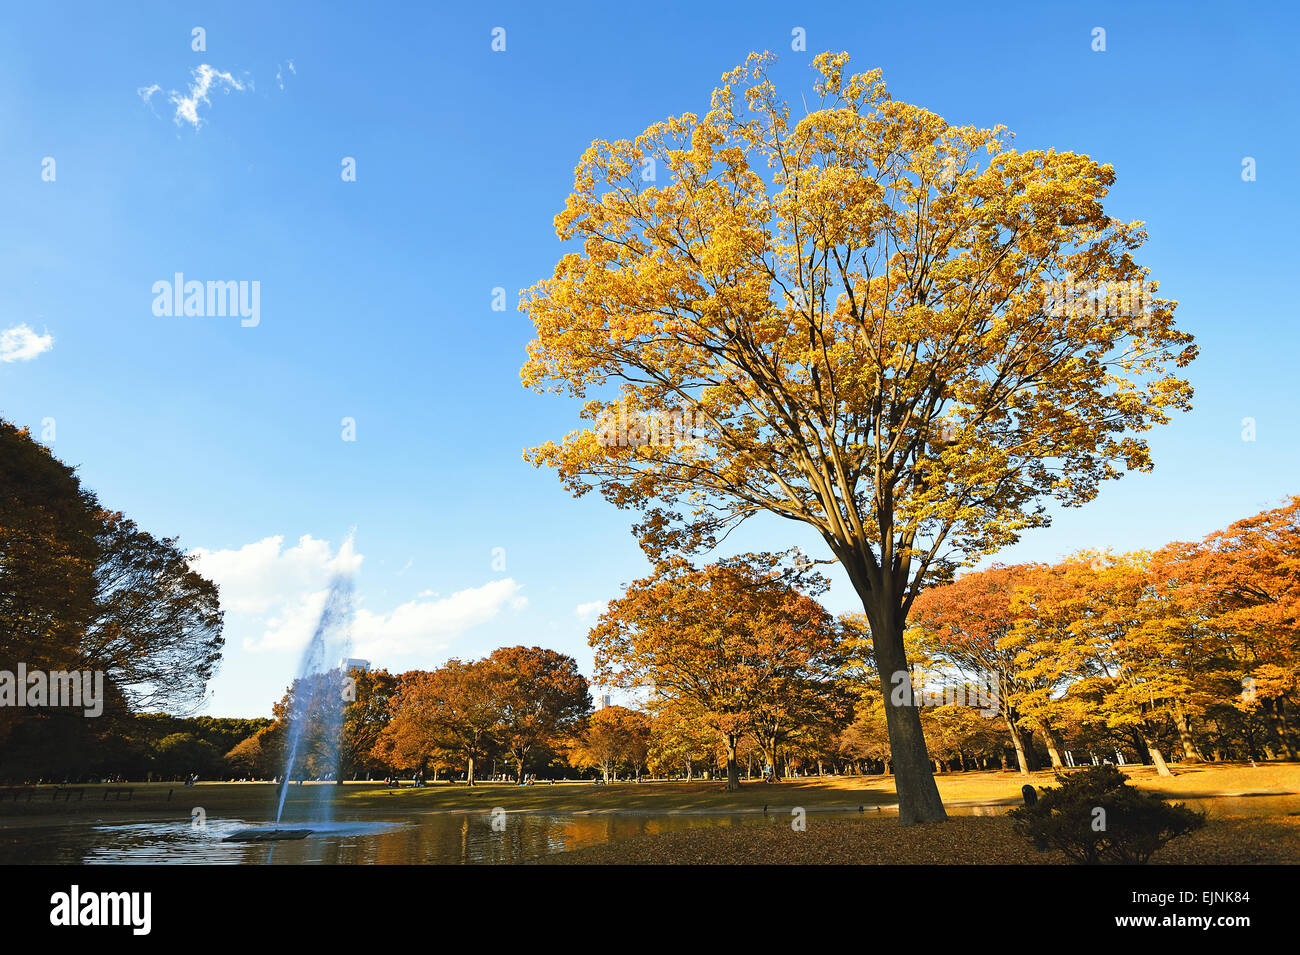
{"x":589,"y":609}
{"x":260,"y":578}
{"x":274,"y":596}
{"x":204,"y":80}
{"x":20,"y":343}
{"x":422,"y":626}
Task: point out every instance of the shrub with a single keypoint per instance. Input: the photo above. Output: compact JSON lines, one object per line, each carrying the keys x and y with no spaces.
{"x":1130,"y":826}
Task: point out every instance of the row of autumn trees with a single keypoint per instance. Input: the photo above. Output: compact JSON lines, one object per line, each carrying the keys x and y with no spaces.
{"x":1194,"y":648}
{"x":1190,"y":653}
{"x":520,"y":706}
{"x":83,"y":588}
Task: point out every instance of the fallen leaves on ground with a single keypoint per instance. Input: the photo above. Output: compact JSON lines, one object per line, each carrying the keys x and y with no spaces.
{"x":959,"y":841}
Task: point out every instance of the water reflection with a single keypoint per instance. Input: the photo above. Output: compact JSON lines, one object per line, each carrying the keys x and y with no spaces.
{"x":414,"y":839}
{"x":430,"y":837}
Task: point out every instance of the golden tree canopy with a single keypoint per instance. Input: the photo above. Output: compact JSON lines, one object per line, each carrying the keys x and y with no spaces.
{"x":859,"y":315}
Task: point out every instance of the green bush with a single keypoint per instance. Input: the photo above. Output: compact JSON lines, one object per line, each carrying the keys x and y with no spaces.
{"x":1130,"y":826}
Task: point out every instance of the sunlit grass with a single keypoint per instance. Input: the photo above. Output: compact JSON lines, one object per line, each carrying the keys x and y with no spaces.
{"x":827,"y":792}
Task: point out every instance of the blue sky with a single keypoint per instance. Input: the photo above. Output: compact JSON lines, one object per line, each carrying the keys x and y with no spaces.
{"x":376,"y":294}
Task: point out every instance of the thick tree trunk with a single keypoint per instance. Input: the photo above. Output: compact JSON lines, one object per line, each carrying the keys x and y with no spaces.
{"x":1277,"y":722}
{"x":769,"y":754}
{"x":1162,"y":768}
{"x":1139,"y":742}
{"x":733,"y":768}
{"x":880,"y":593}
{"x":1054,"y":747}
{"x":1184,"y":725}
{"x":469,"y":772}
{"x":918,"y":796}
{"x":1024,"y":752}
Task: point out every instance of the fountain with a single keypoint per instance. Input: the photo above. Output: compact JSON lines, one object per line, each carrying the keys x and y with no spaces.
{"x":316,"y":715}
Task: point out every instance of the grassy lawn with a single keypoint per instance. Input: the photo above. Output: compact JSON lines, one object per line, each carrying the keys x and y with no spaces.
{"x":825,"y":793}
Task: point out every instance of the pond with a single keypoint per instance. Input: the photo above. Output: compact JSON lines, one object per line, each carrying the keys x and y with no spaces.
{"x":426,"y":837}
{"x":420,"y":838}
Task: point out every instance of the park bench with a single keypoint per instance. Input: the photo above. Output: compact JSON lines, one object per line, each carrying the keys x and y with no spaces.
{"x":119,"y":793}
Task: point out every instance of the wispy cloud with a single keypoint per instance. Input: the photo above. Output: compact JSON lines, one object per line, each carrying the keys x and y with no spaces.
{"x":588,"y":609}
{"x":20,"y":343}
{"x":279,"y":73}
{"x":204,"y":80}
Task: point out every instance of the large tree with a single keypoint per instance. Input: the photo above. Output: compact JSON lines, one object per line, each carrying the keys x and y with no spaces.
{"x":365,"y":714}
{"x":48,"y":553}
{"x":455,"y":710}
{"x":543,"y":698}
{"x":1090,"y":641}
{"x":858,"y":319}
{"x":83,"y":588}
{"x":735,"y":642}
{"x":157,"y":623}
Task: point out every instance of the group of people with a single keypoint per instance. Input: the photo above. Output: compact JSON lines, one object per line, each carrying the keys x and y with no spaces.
{"x":393,"y":781}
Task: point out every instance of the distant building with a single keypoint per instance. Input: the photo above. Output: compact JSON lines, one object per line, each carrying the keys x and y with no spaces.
{"x":602,"y":701}
{"x":348,"y":664}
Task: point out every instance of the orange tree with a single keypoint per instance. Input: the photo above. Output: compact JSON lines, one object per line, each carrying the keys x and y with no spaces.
{"x":1094,"y":626}
{"x":680,"y":736}
{"x":852,"y":319}
{"x":451,"y":713}
{"x":613,"y":737}
{"x":543,"y":700}
{"x":735,"y":641}
{"x":365,"y":714}
{"x":965,"y":624}
{"x":1241,"y":586}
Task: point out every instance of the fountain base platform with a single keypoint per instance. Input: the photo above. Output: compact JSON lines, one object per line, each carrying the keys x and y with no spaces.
{"x":266,"y":835}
